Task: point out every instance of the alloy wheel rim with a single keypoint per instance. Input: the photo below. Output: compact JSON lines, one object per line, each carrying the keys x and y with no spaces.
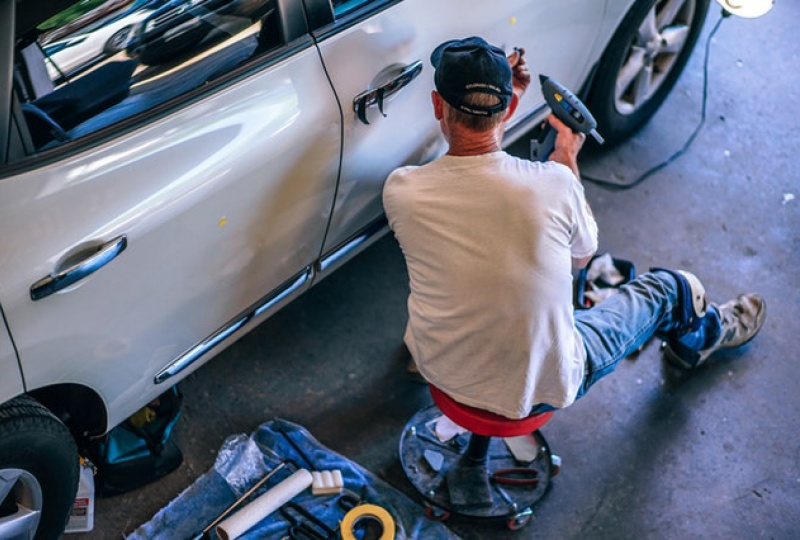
{"x":653,"y":53}
{"x":20,"y":489}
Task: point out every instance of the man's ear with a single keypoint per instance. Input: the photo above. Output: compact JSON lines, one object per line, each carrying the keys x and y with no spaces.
{"x":512,"y":106}
{"x":438,"y":104}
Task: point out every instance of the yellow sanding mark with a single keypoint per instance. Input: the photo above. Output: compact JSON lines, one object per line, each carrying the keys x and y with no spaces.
{"x":222,"y":221}
{"x":513,"y":21}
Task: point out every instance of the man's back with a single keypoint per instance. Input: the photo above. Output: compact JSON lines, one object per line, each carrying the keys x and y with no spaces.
{"x":489,"y":241}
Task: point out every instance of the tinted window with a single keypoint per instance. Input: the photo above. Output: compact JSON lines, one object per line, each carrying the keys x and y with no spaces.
{"x":102,"y":61}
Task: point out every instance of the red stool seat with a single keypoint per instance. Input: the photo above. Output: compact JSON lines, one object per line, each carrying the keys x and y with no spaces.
{"x":461,"y":475}
{"x":481,"y":422}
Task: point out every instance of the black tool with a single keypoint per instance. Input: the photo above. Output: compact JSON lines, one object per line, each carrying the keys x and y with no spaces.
{"x":567,"y":108}
{"x":348,"y":500}
{"x":297,"y":449}
{"x":307,"y":525}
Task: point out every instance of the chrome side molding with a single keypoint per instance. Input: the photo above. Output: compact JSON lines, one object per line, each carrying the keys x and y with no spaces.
{"x":341,"y":253}
{"x":338,"y":255}
{"x":204,"y":347}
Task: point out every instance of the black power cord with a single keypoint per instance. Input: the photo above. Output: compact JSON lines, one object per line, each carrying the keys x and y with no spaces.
{"x":648,"y":173}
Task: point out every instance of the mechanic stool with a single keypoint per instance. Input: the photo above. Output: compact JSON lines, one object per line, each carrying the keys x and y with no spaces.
{"x":476,"y":473}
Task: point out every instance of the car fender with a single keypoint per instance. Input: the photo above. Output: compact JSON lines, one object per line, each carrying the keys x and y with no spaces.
{"x":615,"y":11}
{"x":11,"y":384}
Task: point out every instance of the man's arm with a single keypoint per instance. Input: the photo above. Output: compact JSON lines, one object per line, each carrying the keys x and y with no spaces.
{"x":568,"y":144}
{"x":580,"y":263}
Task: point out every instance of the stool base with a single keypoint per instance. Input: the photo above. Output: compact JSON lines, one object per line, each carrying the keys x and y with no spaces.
{"x":511,"y":498}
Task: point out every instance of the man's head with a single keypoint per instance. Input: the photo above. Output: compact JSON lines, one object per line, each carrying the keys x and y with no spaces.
{"x":474,"y":78}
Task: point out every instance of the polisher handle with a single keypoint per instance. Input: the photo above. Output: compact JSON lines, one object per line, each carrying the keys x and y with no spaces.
{"x":568,"y":108}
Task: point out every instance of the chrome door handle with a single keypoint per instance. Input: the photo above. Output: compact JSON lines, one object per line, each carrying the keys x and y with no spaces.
{"x":377,"y":93}
{"x":85,"y":263}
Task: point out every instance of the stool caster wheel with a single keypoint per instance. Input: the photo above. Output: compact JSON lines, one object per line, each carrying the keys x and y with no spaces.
{"x":518,"y":521}
{"x":436,"y":514}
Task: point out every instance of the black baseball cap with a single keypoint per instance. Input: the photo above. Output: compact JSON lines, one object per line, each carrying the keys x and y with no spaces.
{"x":469,"y":65}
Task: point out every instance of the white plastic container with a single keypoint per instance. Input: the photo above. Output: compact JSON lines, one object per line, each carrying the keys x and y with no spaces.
{"x":82,"y":517}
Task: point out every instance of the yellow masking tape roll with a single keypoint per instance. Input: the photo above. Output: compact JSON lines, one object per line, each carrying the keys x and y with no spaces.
{"x":370,"y":512}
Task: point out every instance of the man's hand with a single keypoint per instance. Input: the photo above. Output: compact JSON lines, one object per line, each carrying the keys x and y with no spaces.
{"x":520,"y":74}
{"x":568,"y":144}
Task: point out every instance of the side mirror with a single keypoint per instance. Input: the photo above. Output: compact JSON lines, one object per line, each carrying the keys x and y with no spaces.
{"x":748,"y":9}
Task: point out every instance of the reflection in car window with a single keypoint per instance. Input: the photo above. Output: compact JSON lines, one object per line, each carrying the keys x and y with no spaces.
{"x":101,"y":61}
{"x":343,"y":7}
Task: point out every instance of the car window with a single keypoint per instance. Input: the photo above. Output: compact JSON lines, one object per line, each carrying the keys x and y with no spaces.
{"x":343,"y":7}
{"x":100,"y":62}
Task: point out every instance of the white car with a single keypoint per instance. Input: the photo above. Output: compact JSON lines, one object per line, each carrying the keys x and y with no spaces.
{"x":84,"y":48}
{"x":183,"y":205}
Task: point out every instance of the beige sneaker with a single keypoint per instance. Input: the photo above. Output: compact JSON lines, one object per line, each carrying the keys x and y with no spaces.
{"x":741,"y":320}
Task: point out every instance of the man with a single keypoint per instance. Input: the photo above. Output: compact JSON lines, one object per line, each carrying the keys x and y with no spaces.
{"x":490,"y":242}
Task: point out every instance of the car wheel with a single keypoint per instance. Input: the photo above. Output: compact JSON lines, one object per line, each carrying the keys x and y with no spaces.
{"x":117,"y":41}
{"x":642,"y":63}
{"x":38,"y":471}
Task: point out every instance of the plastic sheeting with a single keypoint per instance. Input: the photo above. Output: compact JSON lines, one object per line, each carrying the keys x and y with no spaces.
{"x":243,"y":460}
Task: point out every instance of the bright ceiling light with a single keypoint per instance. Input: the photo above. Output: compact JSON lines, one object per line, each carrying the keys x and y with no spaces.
{"x":749,"y":9}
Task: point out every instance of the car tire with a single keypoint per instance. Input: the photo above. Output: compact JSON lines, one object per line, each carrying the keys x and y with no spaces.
{"x":39,"y":470}
{"x":117,"y":41}
{"x":642,"y":63}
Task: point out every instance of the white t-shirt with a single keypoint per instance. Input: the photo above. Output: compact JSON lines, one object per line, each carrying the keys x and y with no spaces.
{"x":489,"y":241}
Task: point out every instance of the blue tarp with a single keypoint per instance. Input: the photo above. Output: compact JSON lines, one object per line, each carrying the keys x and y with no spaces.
{"x":243,"y":460}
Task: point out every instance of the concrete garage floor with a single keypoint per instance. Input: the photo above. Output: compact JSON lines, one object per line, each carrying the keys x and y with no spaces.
{"x":650,"y":452}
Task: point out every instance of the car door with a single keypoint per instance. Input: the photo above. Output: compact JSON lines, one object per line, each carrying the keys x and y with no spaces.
{"x":129,"y":261}
{"x":11,"y":382}
{"x":376,"y":44}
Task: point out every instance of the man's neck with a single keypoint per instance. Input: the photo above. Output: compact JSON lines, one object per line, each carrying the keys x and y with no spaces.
{"x":470,"y":143}
{"x":466,"y":142}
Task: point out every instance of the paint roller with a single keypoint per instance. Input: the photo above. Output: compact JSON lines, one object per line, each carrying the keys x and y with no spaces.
{"x":264,"y":505}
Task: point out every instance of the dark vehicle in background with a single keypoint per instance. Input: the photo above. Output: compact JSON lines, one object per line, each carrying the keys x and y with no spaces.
{"x":180,"y":26}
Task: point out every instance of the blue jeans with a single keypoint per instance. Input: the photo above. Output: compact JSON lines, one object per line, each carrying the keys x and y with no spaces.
{"x":615,"y":328}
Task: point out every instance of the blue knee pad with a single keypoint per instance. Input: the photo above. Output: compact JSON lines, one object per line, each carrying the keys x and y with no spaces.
{"x":692,"y":303}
